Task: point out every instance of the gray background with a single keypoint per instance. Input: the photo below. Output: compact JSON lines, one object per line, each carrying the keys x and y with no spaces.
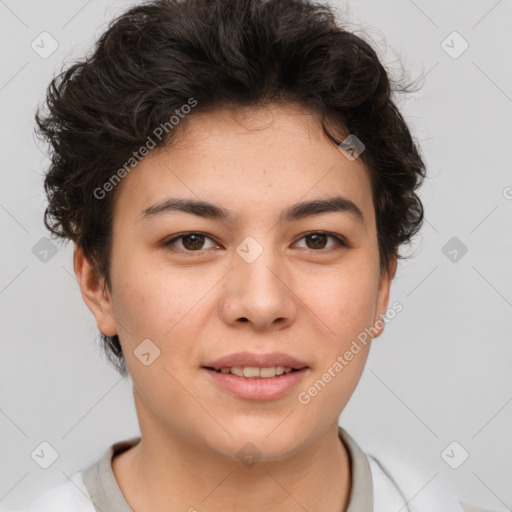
{"x":441,"y":371}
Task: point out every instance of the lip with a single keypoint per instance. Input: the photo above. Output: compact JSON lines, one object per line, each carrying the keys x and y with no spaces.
{"x":257,"y":389}
{"x":268,"y":360}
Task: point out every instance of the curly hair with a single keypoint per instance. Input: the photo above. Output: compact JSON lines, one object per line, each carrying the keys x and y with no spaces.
{"x":223,"y":53}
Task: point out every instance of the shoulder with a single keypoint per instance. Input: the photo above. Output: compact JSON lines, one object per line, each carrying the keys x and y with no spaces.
{"x":68,"y":496}
{"x":397,"y":483}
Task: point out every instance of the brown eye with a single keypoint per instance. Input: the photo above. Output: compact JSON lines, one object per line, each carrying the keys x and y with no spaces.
{"x":318,"y":240}
{"x":193,"y":242}
{"x":190,"y":242}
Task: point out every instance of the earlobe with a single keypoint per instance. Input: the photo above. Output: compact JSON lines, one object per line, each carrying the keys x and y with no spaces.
{"x":96,"y":299}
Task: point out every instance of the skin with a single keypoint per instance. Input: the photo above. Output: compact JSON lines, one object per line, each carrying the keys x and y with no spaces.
{"x":307,"y":298}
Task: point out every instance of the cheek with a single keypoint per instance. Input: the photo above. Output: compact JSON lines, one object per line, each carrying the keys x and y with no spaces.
{"x":346,"y":306}
{"x":344,"y":300}
{"x":145,"y":304}
{"x":154,"y":310}
{"x":167,"y":308}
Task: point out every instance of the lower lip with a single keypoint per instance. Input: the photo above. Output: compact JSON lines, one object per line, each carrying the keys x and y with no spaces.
{"x":257,"y":389}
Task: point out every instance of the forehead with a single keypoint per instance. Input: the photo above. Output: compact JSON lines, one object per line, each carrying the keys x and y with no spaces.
{"x":250,"y":160}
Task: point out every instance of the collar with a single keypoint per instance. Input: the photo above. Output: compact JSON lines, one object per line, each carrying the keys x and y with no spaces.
{"x":106,"y":495}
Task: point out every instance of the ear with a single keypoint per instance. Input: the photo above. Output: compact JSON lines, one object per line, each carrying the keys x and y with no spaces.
{"x":98,"y":301}
{"x":386,"y":277}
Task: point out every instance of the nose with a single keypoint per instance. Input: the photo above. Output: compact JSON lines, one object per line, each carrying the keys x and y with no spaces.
{"x":260,"y":293}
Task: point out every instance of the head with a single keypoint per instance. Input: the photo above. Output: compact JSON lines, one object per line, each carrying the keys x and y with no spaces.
{"x":239,"y":107}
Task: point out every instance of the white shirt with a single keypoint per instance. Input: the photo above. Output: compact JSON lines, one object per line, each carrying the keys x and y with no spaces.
{"x":379,"y":484}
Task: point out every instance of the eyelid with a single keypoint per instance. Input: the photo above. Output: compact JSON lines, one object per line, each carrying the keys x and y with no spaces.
{"x":340,"y":239}
{"x":168,"y":243}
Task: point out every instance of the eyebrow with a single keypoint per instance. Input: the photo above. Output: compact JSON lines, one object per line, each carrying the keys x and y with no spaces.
{"x":292,"y":213}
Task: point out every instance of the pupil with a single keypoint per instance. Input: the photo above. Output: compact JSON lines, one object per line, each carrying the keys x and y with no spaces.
{"x":199,"y":240}
{"x":316,"y":237}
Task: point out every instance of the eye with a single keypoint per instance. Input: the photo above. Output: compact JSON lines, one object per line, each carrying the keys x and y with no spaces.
{"x":190,"y":242}
{"x":194,"y":241}
{"x":319,"y":238}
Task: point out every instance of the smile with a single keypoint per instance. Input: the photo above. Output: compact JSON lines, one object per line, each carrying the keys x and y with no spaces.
{"x":253,"y":383}
{"x":254,"y":372}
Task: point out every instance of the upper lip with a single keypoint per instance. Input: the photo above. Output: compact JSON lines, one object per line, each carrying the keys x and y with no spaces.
{"x":244,"y":359}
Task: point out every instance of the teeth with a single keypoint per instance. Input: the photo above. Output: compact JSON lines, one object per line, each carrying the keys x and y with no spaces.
{"x":237,"y":371}
{"x":253,"y":372}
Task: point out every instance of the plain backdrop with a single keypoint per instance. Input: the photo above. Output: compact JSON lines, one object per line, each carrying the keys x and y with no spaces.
{"x":440,"y":373}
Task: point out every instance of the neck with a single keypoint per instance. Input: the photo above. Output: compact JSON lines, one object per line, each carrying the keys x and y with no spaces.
{"x":166,"y":471}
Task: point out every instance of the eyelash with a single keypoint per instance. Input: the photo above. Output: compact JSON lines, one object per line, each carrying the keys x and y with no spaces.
{"x":340,"y":241}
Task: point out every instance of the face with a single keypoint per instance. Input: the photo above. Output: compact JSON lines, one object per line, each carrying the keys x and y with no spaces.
{"x":254,"y":273}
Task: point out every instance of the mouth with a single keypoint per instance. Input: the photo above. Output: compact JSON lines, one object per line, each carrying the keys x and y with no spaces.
{"x":255,"y":372}
{"x":253,"y":376}
{"x":255,"y":383}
